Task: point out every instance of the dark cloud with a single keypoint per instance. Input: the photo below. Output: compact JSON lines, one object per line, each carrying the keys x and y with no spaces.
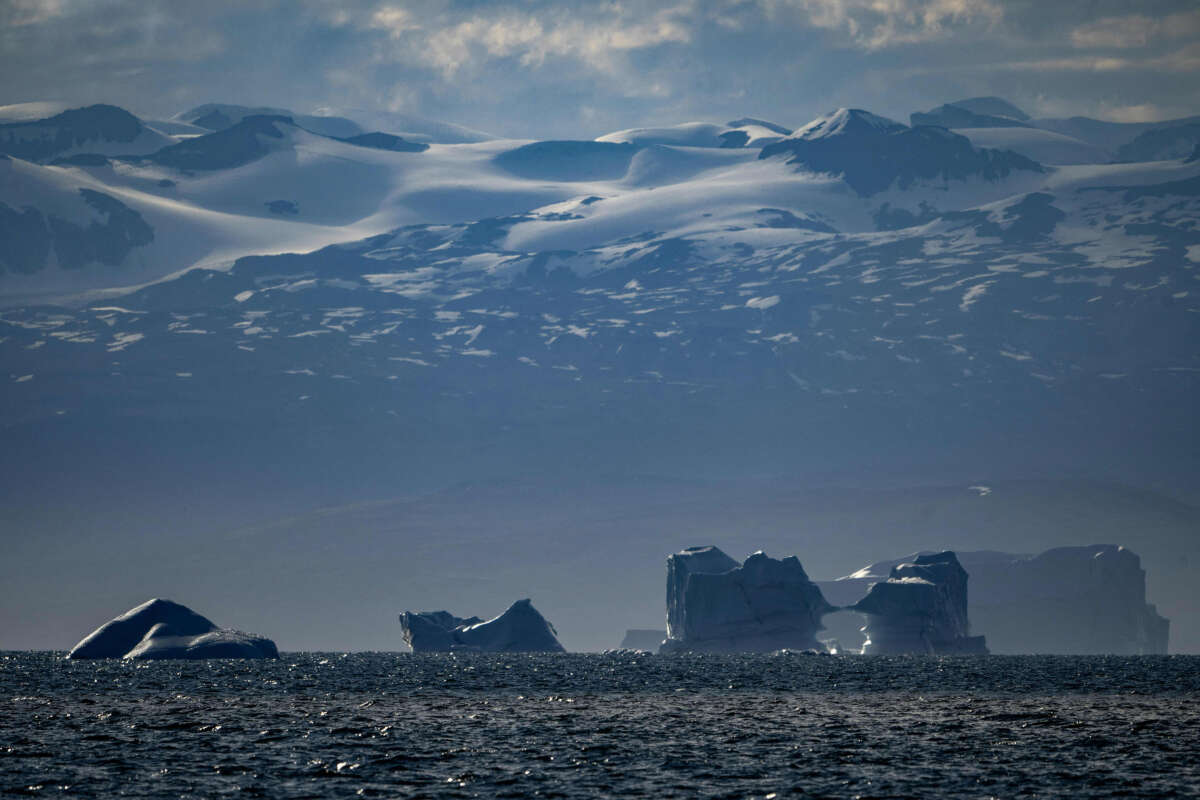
{"x":541,"y":69}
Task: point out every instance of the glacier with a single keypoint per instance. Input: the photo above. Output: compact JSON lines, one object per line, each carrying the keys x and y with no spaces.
{"x":161,"y":629}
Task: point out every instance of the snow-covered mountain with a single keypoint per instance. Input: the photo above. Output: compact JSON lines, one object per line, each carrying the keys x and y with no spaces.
{"x":99,"y":129}
{"x":284,"y":313}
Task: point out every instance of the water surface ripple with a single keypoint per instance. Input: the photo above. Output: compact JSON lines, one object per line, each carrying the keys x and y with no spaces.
{"x":792,"y":725}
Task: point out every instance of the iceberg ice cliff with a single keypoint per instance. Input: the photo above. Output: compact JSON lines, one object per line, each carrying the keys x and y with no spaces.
{"x":161,"y":629}
{"x":520,"y":629}
{"x":1069,"y":600}
{"x":643,"y":639}
{"x":921,"y":608}
{"x":716,"y":605}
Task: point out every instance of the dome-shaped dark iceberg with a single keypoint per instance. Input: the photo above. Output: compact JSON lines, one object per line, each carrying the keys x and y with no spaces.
{"x":161,"y":629}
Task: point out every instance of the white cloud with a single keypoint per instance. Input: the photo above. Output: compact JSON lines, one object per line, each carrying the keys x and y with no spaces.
{"x":876,"y":24}
{"x":1135,"y":30}
{"x":394,"y":19}
{"x":532,"y":39}
{"x":29,"y":12}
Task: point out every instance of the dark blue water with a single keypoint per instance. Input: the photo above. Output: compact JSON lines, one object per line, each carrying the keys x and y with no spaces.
{"x":789,"y":725}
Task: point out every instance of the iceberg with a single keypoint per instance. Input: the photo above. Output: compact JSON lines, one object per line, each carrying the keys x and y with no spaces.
{"x":716,"y":605}
{"x":520,"y":629}
{"x":1068,"y":600}
{"x":1088,"y":600}
{"x":161,"y":629}
{"x":921,"y":608}
{"x":643,"y":639}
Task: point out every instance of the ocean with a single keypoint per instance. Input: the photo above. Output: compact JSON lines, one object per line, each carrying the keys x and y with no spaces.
{"x":318,"y":725}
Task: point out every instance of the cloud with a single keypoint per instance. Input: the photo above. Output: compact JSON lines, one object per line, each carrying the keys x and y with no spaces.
{"x":597,"y":37}
{"x":29,"y":12}
{"x":1135,"y":30}
{"x":566,"y":68}
{"x":877,"y":24}
{"x":396,"y":20}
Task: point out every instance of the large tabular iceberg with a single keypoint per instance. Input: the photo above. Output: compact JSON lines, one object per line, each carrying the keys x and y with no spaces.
{"x":715,"y":605}
{"x":520,"y":629}
{"x":645,"y":639}
{"x":161,"y":629}
{"x":920,"y":608}
{"x":1069,"y":600}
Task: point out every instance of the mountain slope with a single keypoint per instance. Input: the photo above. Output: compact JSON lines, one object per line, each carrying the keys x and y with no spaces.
{"x":873,"y":153}
{"x":101,"y":129}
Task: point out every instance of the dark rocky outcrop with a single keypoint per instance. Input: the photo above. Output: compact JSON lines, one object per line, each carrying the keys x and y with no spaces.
{"x":30,"y":237}
{"x":872,"y":153}
{"x":230,"y":147}
{"x":43,"y":139}
{"x":385,"y":141}
{"x":520,"y":629}
{"x":1162,"y":144}
{"x":161,"y":629}
{"x":764,"y":604}
{"x":956,"y":116}
{"x":920,"y":609}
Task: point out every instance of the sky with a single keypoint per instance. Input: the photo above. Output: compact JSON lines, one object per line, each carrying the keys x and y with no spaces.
{"x":539,"y":69}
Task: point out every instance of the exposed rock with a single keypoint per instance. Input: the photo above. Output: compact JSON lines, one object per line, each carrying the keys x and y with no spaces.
{"x":520,"y":629}
{"x":161,"y":629}
{"x":873,"y":153}
{"x":955,"y":116}
{"x":643,"y":639}
{"x":112,"y":232}
{"x":1162,"y":144}
{"x":762,"y":605}
{"x":921,"y":608}
{"x":242,"y":143}
{"x":97,"y":127}
{"x":386,"y":141}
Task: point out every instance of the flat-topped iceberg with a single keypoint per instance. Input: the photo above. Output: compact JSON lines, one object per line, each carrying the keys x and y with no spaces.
{"x":921,"y":608}
{"x":161,"y":629}
{"x":520,"y":629}
{"x":764,"y":604}
{"x":1069,"y":600}
{"x":643,"y":639}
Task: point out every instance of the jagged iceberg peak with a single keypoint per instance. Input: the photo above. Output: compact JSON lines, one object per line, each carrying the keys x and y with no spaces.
{"x":520,"y":629}
{"x":847,"y":122}
{"x":162,"y":629}
{"x":762,"y":605}
{"x":921,"y":608}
